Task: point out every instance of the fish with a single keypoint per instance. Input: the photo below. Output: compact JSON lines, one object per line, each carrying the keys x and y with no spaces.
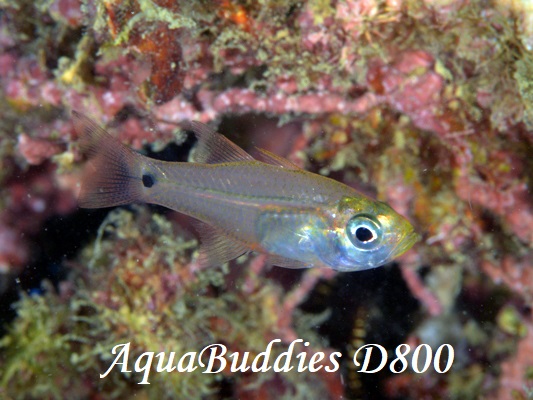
{"x":242,"y":204}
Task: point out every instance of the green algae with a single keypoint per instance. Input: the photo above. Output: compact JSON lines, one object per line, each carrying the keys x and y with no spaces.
{"x":134,"y":284}
{"x":510,"y":322}
{"x":460,"y":41}
{"x":523,"y":76}
{"x":150,"y":13}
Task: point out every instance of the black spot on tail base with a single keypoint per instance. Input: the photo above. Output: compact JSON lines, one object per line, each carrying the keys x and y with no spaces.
{"x":148,"y":180}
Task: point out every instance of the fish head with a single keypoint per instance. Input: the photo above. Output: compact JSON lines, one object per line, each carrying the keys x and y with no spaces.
{"x":368,"y":234}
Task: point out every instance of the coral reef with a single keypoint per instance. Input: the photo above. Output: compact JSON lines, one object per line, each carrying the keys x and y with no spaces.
{"x":426,"y":105}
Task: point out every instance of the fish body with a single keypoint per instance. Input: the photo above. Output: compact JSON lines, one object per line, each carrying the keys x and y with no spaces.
{"x":298,"y":218}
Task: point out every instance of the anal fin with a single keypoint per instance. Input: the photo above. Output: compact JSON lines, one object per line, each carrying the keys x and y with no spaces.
{"x":216,"y":247}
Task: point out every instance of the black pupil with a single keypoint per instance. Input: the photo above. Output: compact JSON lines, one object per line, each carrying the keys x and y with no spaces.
{"x":148,"y":181}
{"x":363,"y":234}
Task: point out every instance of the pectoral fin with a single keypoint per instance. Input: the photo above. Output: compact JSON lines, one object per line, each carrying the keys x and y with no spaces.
{"x":216,"y":247}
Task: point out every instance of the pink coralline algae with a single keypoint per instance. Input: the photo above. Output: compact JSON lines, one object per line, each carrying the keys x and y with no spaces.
{"x":14,"y":252}
{"x":424,"y":105}
{"x":411,"y":86}
{"x":516,"y":370}
{"x":36,"y":150}
{"x":25,"y":83}
{"x":499,"y":189}
{"x":68,"y":11}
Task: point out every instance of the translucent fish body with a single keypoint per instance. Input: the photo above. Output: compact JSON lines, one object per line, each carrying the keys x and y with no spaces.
{"x":299,"y":219}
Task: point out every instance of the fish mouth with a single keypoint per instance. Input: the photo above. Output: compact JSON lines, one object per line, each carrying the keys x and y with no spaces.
{"x":405,"y":243}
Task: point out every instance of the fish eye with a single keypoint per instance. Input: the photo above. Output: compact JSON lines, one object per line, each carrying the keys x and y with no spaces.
{"x":364,"y":232}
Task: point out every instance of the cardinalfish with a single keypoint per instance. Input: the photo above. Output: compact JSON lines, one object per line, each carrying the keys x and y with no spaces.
{"x":297,"y":218}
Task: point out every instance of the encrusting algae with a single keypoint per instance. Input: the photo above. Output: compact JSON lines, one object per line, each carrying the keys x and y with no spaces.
{"x":135,"y":285}
{"x":424,"y":105}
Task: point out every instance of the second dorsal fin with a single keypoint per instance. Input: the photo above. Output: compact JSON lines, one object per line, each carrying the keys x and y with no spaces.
{"x":212,"y":147}
{"x":271,"y":158}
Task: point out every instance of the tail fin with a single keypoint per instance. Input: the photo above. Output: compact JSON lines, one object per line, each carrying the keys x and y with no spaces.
{"x":113,"y":175}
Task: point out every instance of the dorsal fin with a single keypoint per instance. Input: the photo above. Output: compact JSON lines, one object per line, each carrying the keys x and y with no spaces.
{"x":212,"y":147}
{"x":216,"y":247}
{"x":271,"y":158}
